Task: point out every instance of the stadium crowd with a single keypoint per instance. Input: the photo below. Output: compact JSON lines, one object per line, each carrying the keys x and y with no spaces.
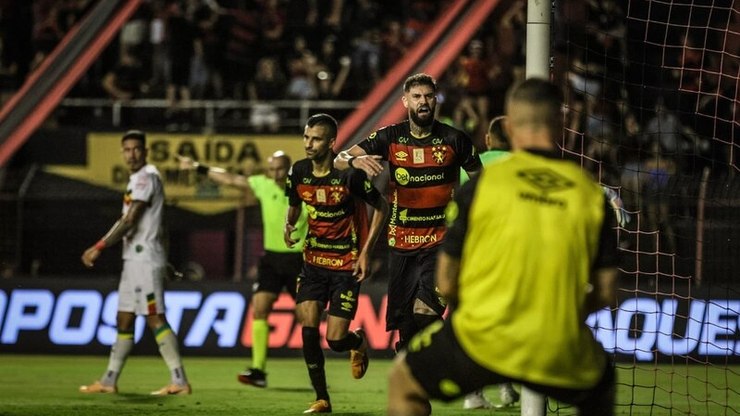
{"x":636,"y":123}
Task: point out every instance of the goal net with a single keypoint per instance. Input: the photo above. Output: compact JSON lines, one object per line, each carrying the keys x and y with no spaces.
{"x":652,"y":111}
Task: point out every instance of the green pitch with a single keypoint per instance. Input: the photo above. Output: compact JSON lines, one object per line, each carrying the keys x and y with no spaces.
{"x":47,"y":385}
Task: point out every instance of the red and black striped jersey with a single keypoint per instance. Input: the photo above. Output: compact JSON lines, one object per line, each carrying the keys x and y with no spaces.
{"x":337,"y":216}
{"x":423,"y":175}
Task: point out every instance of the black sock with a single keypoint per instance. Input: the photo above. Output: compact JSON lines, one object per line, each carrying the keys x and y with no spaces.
{"x":314,"y":357}
{"x":423,"y":321}
{"x":406,"y":330}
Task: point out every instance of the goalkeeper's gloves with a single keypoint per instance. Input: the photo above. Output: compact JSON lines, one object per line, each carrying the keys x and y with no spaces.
{"x":623,"y":217}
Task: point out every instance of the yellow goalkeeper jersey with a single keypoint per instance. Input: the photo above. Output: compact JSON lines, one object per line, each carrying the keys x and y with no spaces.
{"x":528,"y":232}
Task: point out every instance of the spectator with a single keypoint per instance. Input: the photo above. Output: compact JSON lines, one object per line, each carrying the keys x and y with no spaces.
{"x":269,"y":84}
{"x":332,"y":70}
{"x":180,"y":41}
{"x":126,"y":80}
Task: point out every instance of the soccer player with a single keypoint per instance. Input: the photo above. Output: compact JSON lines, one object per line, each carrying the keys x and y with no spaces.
{"x":336,"y":253}
{"x":140,"y":290}
{"x":280,"y":265}
{"x":424,"y":157}
{"x":530,"y":254}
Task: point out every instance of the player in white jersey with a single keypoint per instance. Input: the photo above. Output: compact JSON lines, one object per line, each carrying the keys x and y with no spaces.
{"x":140,"y":291}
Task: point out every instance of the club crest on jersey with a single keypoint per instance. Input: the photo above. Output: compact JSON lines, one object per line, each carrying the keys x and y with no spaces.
{"x":320,"y":195}
{"x":336,"y":196}
{"x":439,"y":153}
{"x":401,"y":156}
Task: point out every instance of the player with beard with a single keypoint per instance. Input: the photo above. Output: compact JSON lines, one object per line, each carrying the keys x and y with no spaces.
{"x":424,"y":156}
{"x":336,"y":251}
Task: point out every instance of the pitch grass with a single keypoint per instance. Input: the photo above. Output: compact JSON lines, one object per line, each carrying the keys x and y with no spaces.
{"x":35,"y":385}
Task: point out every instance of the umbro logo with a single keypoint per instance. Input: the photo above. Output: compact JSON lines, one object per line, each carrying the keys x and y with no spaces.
{"x":546,"y":180}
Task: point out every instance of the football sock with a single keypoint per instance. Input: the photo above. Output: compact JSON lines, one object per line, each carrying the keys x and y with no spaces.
{"x":351,"y":341}
{"x":406,"y":331}
{"x":260,"y":333}
{"x":422,"y":321}
{"x":314,"y":358}
{"x":118,"y":353}
{"x":170,"y":351}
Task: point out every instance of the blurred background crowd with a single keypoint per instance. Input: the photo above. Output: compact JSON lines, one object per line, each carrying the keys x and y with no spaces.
{"x":650,"y":101}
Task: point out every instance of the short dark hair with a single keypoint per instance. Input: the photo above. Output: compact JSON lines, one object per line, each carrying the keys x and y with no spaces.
{"x":419,"y":79}
{"x":324,"y":120}
{"x":496,"y":129}
{"x":136,"y":135}
{"x":541,"y":93}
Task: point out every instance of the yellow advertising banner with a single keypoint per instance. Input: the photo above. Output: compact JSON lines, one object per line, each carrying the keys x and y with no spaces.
{"x":185,"y":189}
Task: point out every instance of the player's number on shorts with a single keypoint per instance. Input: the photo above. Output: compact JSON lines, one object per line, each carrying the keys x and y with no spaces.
{"x":424,"y":338}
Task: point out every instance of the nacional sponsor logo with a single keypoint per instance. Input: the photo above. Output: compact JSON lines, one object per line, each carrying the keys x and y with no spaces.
{"x":404,"y":178}
{"x":315,"y":213}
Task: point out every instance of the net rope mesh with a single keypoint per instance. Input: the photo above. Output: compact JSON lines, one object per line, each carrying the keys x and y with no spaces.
{"x":651,"y":110}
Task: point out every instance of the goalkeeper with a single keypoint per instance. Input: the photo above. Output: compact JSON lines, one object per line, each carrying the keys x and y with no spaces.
{"x":530,"y":254}
{"x":280,"y":265}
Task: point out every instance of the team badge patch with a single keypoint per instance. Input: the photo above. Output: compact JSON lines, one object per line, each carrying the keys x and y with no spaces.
{"x":418,"y":156}
{"x":439,"y":153}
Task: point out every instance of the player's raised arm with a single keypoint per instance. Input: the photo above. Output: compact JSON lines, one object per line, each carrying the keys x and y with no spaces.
{"x":357,"y":158}
{"x":218,"y":175}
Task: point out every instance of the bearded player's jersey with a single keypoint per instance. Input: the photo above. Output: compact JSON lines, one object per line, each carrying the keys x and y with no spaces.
{"x":424,"y":173}
{"x":337,"y":219}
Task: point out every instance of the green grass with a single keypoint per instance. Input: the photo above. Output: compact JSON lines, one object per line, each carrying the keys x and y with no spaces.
{"x":47,"y":385}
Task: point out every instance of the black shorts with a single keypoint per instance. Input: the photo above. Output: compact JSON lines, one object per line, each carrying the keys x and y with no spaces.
{"x":441,"y":366}
{"x":277,"y":271}
{"x":411,"y":277}
{"x":340,"y":289}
